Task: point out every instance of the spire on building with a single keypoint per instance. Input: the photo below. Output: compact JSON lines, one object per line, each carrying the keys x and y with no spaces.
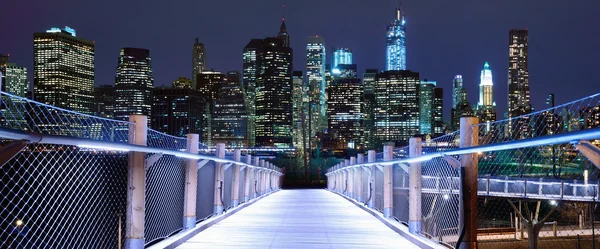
{"x":283,"y":34}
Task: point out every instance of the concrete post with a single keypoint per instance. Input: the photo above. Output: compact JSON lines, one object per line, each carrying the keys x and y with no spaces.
{"x":261,"y":183}
{"x":191,"y":184}
{"x":219,"y":180}
{"x":347,"y":176}
{"x":359,"y":178}
{"x":352,"y":179}
{"x":136,"y":181}
{"x":414,"y":188}
{"x":235,"y":192}
{"x":247,"y":182}
{"x":388,"y":182}
{"x":469,"y":133}
{"x":371,"y":157}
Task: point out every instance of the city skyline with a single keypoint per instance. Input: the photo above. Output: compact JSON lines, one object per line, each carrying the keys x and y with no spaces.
{"x":451,"y":57}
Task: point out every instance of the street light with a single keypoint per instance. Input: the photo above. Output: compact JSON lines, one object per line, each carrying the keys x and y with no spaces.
{"x":19,"y":223}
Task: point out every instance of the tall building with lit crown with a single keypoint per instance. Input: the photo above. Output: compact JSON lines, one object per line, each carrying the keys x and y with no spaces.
{"x":63,"y":70}
{"x":283,"y":34}
{"x":426,"y":98}
{"x":345,"y":113}
{"x":368,"y":107}
{"x":396,"y":106}
{"x":198,"y":60}
{"x":229,"y":118}
{"x":341,"y":56}
{"x":274,"y":105}
{"x":134,"y":83}
{"x":396,"y":43}
{"x":315,"y":74}
{"x":518,"y":83}
{"x":486,"y":107}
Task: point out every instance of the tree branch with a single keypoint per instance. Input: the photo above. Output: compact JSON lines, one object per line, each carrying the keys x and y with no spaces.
{"x":527,"y":210}
{"x":515,"y":208}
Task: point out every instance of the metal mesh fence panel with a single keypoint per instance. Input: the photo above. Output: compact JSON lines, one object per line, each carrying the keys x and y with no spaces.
{"x":242,"y":186}
{"x":57,"y":196}
{"x":378,"y":189}
{"x":440,"y":197}
{"x":165,"y":185}
{"x":227,"y":187}
{"x":401,"y":196}
{"x":27,"y":115}
{"x":205,"y":192}
{"x":161,"y":140}
{"x":367,"y":192}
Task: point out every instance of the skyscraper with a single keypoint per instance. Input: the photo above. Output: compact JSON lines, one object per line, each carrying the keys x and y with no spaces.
{"x":299,"y":108}
{"x":229,"y":118}
{"x":105,"y":101}
{"x":178,"y":112}
{"x":426,"y":99}
{"x":518,"y":83}
{"x":396,"y":106}
{"x":63,"y":72}
{"x":369,"y":86}
{"x":486,"y":107}
{"x":396,"y":43}
{"x":315,"y":73}
{"x":341,"y":56}
{"x":209,"y":83}
{"x":198,"y":60}
{"x":438,"y":112}
{"x":345,"y":113}
{"x":251,"y":56}
{"x":15,"y":80}
{"x":182,"y":82}
{"x":460,"y":103}
{"x":283,"y":34}
{"x":274,"y":95}
{"x":134,"y":83}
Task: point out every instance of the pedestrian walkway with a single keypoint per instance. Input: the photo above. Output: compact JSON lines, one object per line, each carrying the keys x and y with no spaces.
{"x":299,"y":219}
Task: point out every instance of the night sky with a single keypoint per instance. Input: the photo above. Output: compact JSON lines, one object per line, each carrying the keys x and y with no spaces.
{"x":444,"y":37}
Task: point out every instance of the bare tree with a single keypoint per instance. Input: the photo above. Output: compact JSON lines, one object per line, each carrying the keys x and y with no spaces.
{"x":531,"y":223}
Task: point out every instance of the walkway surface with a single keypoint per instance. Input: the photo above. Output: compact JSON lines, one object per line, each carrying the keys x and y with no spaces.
{"x":299,"y":219}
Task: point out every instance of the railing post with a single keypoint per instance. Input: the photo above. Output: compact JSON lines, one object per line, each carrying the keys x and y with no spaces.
{"x":136,"y":181}
{"x":347,"y":177}
{"x":220,"y":153}
{"x":247,"y":182}
{"x":235,"y":195}
{"x":261,"y":185}
{"x":352,"y":182}
{"x":388,"y":182}
{"x":359,"y":171}
{"x":371,"y":157}
{"x":414,"y":187}
{"x":191,"y":183}
{"x":255,"y":185}
{"x":469,"y":132}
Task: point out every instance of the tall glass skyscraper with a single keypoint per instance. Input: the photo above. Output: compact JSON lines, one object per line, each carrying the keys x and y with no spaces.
{"x":518,"y":82}
{"x":198,"y":60}
{"x":341,"y":56}
{"x":345,"y":113}
{"x":63,"y":71}
{"x":315,"y":73}
{"x":134,"y":83}
{"x":229,"y":117}
{"x":426,"y":99}
{"x":396,"y":43}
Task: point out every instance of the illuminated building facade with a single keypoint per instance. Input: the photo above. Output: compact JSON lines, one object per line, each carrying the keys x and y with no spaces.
{"x":134,"y":83}
{"x":315,"y":73}
{"x":396,"y":106}
{"x":178,"y":112}
{"x":341,"y":56}
{"x":198,"y":60}
{"x":518,"y":83}
{"x":63,"y":72}
{"x":182,"y":82}
{"x":460,"y":104}
{"x":426,"y":99}
{"x":229,"y":118}
{"x":438,"y":112}
{"x":345,"y":113}
{"x":396,"y":43}
{"x":15,"y":80}
{"x":299,"y":100}
{"x":252,"y":55}
{"x":368,"y":107}
{"x":105,"y":101}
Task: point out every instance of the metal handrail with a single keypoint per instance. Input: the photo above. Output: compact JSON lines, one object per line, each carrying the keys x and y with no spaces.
{"x":84,"y":142}
{"x":570,"y":137}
